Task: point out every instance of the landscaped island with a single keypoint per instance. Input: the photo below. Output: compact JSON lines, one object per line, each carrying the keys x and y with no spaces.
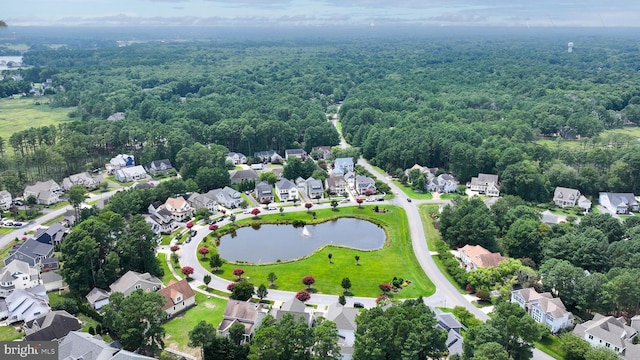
{"x":395,"y":259}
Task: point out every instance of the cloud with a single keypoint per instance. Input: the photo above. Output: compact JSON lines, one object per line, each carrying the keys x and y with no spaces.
{"x":457,"y":18}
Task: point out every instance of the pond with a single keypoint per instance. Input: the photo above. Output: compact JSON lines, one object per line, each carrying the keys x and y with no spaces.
{"x":269,"y":243}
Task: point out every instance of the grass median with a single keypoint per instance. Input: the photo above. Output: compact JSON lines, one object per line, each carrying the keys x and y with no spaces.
{"x":395,"y":259}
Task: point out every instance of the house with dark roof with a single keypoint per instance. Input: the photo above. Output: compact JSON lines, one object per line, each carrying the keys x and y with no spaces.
{"x":199,"y":201}
{"x":178,"y":297}
{"x":24,"y":305}
{"x":52,"y":235}
{"x":52,"y":326}
{"x":449,"y":323}
{"x":132,"y":281}
{"x":612,"y":333}
{"x":248,"y":314}
{"x":264,"y":192}
{"x":336,"y":185}
{"x":345,"y":319}
{"x":291,"y":153}
{"x":543,"y":308}
{"x":84,"y":179}
{"x":618,"y":203}
{"x":97,"y":298}
{"x":160,"y":167}
{"x":239,"y":176}
{"x":365,"y":184}
{"x":84,"y":346}
{"x":475,"y":256}
{"x":314,"y":188}
{"x":18,"y":275}
{"x":31,"y":251}
{"x":45,"y":192}
{"x":296,"y":308}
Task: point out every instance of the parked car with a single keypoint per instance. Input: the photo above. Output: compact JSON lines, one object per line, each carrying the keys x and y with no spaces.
{"x":193,"y":233}
{"x":358,"y":305}
{"x":8,"y":223}
{"x":18,"y":202}
{"x":221,"y":219}
{"x":188,"y":240}
{"x":17,"y":224}
{"x":246,"y":211}
{"x":408,"y":200}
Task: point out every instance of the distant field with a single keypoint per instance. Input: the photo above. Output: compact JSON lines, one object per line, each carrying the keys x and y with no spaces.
{"x":631,"y":130}
{"x":21,"y":114}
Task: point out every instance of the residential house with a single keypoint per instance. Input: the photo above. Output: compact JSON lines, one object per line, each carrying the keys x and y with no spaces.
{"x":449,"y":323}
{"x":301,"y":184}
{"x":618,"y":203}
{"x":160,"y":167}
{"x":52,"y":326}
{"x":314,"y":189}
{"x":142,"y":185}
{"x":277,"y":172}
{"x":236,"y":158}
{"x":85,"y":179}
{"x":543,"y":308}
{"x":443,"y":183}
{"x":52,"y":235}
{"x":52,"y":281}
{"x":226,"y":197}
{"x":269,"y":156}
{"x":178,"y":297}
{"x":24,"y":304}
{"x":291,"y":153}
{"x":199,"y":201}
{"x":344,"y":164}
{"x":485,"y":184}
{"x":264,"y":192}
{"x":161,"y":224}
{"x":132,"y":281}
{"x":336,"y":185}
{"x":570,"y":197}
{"x":365,"y":184}
{"x":422,"y":169}
{"x":345,"y":319}
{"x":6,"y":200}
{"x":50,"y":263}
{"x":45,"y":192}
{"x":68,"y":218}
{"x":79,"y":345}
{"x":132,"y":173}
{"x":97,"y":298}
{"x":179,"y":208}
{"x":286,"y":190}
{"x":336,"y":172}
{"x":475,"y":256}
{"x":296,"y":308}
{"x":118,"y":162}
{"x":549,"y":218}
{"x":31,"y":251}
{"x":350,"y":178}
{"x":18,"y":275}
{"x":612,"y":333}
{"x":322,"y":152}
{"x":248,"y":314}
{"x":240,"y":176}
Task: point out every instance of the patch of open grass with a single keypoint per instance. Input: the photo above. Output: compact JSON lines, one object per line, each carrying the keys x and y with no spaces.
{"x":378,"y":170}
{"x":59,"y":205}
{"x":166,"y":239}
{"x":56,"y":219}
{"x":550,"y":345}
{"x":9,"y":333}
{"x":168,"y":275}
{"x":450,"y":196}
{"x":177,"y":329}
{"x":395,"y":259}
{"x":4,"y":252}
{"x":407,"y":190}
{"x":5,"y":230}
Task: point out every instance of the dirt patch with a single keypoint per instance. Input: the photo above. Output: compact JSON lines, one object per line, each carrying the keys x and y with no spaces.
{"x":210,"y":305}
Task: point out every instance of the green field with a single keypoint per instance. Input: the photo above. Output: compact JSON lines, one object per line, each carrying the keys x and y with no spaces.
{"x":396,"y":259}
{"x":407,"y":190}
{"x":9,"y":333}
{"x":22,"y":114}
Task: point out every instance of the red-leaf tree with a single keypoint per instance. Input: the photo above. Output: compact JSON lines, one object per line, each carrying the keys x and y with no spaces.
{"x":231,"y":286}
{"x":255,"y":212}
{"x":359,"y":201}
{"x":174,"y":248}
{"x":308,"y":206}
{"x":187,"y":270}
{"x":203,"y":251}
{"x":369,"y":192}
{"x":303,"y":295}
{"x":308,"y":281}
{"x":213,"y":227}
{"x":385,"y":288}
{"x":189,"y":224}
{"x":238,"y":272}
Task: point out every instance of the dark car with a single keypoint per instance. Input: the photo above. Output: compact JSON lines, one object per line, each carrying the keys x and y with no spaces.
{"x":358,"y":305}
{"x":409,"y":200}
{"x":193,"y":233}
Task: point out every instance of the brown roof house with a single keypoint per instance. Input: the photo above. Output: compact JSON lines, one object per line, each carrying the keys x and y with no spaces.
{"x":475,"y":256}
{"x":178,"y":297}
{"x":248,"y":314}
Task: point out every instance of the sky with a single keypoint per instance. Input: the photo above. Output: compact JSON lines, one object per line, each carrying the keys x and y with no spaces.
{"x":365,"y":13}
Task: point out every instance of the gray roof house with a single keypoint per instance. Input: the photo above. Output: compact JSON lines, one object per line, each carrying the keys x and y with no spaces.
{"x":291,"y":153}
{"x":31,"y":251}
{"x":264,"y":192}
{"x":570,"y":197}
{"x":24,"y":305}
{"x":52,"y":235}
{"x":336,"y":185}
{"x":18,"y":275}
{"x":6,"y":200}
{"x":543,"y":308}
{"x":236,"y":158}
{"x":268,"y":156}
{"x":226,"y":197}
{"x":132,"y":281}
{"x":199,"y":201}
{"x":443,"y":183}
{"x":54,"y":325}
{"x":45,"y":192}
{"x":449,"y":323}
{"x":131,"y":173}
{"x":79,"y":345}
{"x":248,"y":314}
{"x":238,"y":176}
{"x":160,"y":167}
{"x":344,"y":164}
{"x":295,"y":307}
{"x":618,"y":203}
{"x":286,"y":190}
{"x":97,"y":298}
{"x":324,"y":152}
{"x":345,"y":319}
{"x":612,"y":333}
{"x":485,"y":184}
{"x":84,"y":179}
{"x":314,"y":189}
{"x":365,"y":184}
{"x":52,"y":281}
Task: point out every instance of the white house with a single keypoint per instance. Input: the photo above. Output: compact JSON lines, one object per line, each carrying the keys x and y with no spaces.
{"x":45,"y":192}
{"x":618,"y":203}
{"x":226,"y":197}
{"x":132,"y":281}
{"x":612,"y":333}
{"x":18,"y":275}
{"x":236,"y":158}
{"x":543,"y":308}
{"x":286,"y":190}
{"x":179,"y":208}
{"x":132,"y":173}
{"x":485,"y":184}
{"x":443,"y":183}
{"x":119,"y":161}
{"x":84,"y":179}
{"x":6,"y":200}
{"x":24,"y":305}
{"x":344,"y":164}
{"x":570,"y":197}
{"x":178,"y":297}
{"x":97,"y":298}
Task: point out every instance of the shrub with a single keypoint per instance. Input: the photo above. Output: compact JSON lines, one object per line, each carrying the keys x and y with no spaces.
{"x":303,"y":296}
{"x":68,"y":305}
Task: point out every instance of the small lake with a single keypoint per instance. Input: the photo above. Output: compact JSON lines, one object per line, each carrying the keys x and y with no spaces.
{"x":268,"y":243}
{"x":5,"y":59}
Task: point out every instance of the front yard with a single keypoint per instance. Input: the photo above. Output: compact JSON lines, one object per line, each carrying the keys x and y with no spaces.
{"x":408,"y":190}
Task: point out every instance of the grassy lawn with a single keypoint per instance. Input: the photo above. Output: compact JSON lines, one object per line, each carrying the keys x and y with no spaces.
{"x":560,"y":143}
{"x":177,"y":329}
{"x":565,"y":212}
{"x":628,"y":130}
{"x":167,"y":272}
{"x":433,"y":235}
{"x":5,"y":230}
{"x":22,"y":114}
{"x":449,"y":196}
{"x":407,"y":190}
{"x":56,"y":219}
{"x":59,"y":205}
{"x":9,"y":333}
{"x":376,"y":267}
{"x":4,"y":252}
{"x":113,"y":180}
{"x":166,"y":239}
{"x":551,"y":346}
{"x":378,"y":170}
